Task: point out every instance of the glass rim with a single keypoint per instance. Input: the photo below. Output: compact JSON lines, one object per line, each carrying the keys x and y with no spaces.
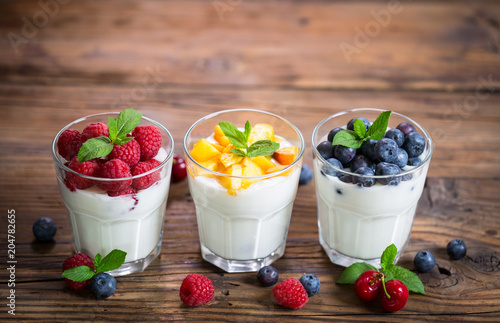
{"x":101,"y":179}
{"x":277,"y":173}
{"x":425,"y":161}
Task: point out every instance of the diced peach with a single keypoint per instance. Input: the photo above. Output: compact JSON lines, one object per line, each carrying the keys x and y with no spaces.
{"x":218,"y":147}
{"x":250,"y":169}
{"x":261,"y":131}
{"x":286,"y":155}
{"x":277,"y":168}
{"x":264,"y":162}
{"x":203,"y":150}
{"x":227,"y":158}
{"x":220,"y":136}
{"x":211,"y":164}
{"x":232,"y":183}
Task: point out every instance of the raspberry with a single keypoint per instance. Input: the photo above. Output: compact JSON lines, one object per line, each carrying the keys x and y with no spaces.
{"x":196,"y":290}
{"x":147,"y":180}
{"x":79,"y":259}
{"x":69,"y":143}
{"x":290,"y":293}
{"x":126,"y":191}
{"x":95,"y":130}
{"x":129,"y":152}
{"x":115,"y":168}
{"x":89,"y":168}
{"x":149,"y":138}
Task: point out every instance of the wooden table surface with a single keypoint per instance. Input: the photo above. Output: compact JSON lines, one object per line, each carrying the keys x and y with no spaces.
{"x":176,"y":61}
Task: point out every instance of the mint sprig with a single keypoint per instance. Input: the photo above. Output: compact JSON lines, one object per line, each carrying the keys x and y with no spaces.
{"x":388,"y":269}
{"x":240,"y":140}
{"x":101,"y":146}
{"x":355,"y":138}
{"x":112,"y":261}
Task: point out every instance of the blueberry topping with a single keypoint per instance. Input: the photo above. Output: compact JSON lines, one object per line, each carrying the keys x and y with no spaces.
{"x":332,"y":133}
{"x":339,"y":191}
{"x":325,"y":149}
{"x":414,"y":144}
{"x":401,"y":158}
{"x":406,"y":128}
{"x":350,"y":124}
{"x":362,"y":180}
{"x":424,"y":261}
{"x":386,"y":150}
{"x":44,"y":229}
{"x":396,"y":135}
{"x":103,"y":285}
{"x":359,"y":161}
{"x":456,"y":249}
{"x":384,"y":169}
{"x":413,"y":161}
{"x":344,"y":154}
{"x":306,"y":174}
{"x":368,"y":148}
{"x":329,"y":170}
{"x":345,"y":178}
{"x":267,"y":276}
{"x":311,"y":284}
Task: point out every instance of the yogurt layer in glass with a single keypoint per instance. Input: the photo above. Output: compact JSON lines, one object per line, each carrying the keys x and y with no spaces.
{"x":245,"y":229}
{"x":357,"y":223}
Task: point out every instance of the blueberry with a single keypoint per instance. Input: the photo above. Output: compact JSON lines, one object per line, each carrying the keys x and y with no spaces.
{"x":414,"y":144}
{"x":311,"y":284}
{"x":406,"y":128}
{"x":325,"y":149}
{"x":344,"y":154}
{"x":384,"y":169}
{"x":413,"y":161}
{"x":267,"y":276}
{"x":368,"y":148}
{"x":103,"y":285}
{"x":306,"y":174}
{"x":396,"y":135}
{"x":332,"y":133}
{"x":362,"y":180}
{"x":359,"y":161}
{"x":386,"y":150}
{"x":456,"y":249}
{"x":401,"y":158}
{"x":329,"y":170}
{"x":44,"y":229}
{"x":350,"y":124}
{"x":346,"y":178}
{"x":424,"y":261}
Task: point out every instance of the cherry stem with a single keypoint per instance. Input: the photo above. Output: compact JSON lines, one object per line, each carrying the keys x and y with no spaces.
{"x":385,"y":289}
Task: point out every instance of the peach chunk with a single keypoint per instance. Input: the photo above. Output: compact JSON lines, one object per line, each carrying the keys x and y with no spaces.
{"x":286,"y":155}
{"x":203,"y":150}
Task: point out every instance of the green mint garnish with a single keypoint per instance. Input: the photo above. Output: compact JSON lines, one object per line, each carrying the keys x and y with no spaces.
{"x":111,"y":262}
{"x":98,"y":147}
{"x":240,"y":141}
{"x":388,"y":269}
{"x":355,"y":138}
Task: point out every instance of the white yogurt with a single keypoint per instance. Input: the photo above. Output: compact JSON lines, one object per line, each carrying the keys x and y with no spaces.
{"x":132,"y":223}
{"x":249,"y":225}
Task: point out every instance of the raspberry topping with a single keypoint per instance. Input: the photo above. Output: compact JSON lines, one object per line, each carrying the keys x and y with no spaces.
{"x":79,"y":259}
{"x":290,"y":293}
{"x":94,"y":130}
{"x":196,"y":290}
{"x":149,"y":138}
{"x":147,"y":180}
{"x":115,"y":168}
{"x":129,"y":152}
{"x":89,"y":168}
{"x":69,"y":143}
{"x":126,"y":191}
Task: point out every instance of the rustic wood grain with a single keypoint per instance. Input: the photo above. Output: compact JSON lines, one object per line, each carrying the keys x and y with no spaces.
{"x":176,"y":61}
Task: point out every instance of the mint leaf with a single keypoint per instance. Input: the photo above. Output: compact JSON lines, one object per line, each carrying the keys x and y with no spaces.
{"x":248,"y":129}
{"x":122,"y":140}
{"x":126,"y":121}
{"x":379,"y":126}
{"x":347,"y":138}
{"x":95,"y":148}
{"x":97,"y":260}
{"x":351,"y":273}
{"x":113,"y":128}
{"x":236,"y":137}
{"x":112,"y":261}
{"x":359,"y":128}
{"x":408,"y":278}
{"x":238,"y":152}
{"x":262,"y":148}
{"x":388,"y":257}
{"x":78,"y":274}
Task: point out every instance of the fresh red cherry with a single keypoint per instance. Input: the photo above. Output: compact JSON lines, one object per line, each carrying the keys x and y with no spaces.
{"x":394,"y":296}
{"x":367,"y":285}
{"x":179,"y":171}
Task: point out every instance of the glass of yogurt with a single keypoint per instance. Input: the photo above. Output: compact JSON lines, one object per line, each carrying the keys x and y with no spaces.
{"x":132,"y":222}
{"x":244,"y":229}
{"x":357,"y":222}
